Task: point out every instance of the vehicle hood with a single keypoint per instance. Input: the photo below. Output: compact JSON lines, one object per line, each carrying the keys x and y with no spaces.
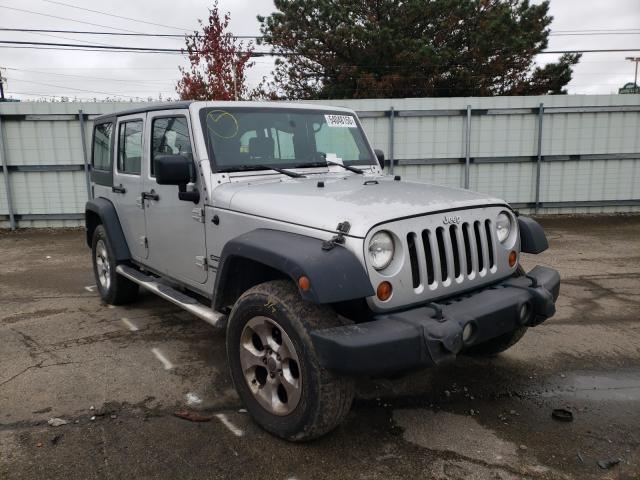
{"x":363,"y":201}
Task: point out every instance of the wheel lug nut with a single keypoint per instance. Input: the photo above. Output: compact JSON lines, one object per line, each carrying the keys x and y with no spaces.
{"x":272,"y":375}
{"x":264,"y":360}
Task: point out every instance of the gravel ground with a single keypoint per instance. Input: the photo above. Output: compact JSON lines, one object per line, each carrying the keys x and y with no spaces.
{"x":118,"y":374}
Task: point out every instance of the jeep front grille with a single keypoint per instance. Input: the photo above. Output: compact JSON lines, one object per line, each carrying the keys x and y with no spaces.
{"x":437,"y":259}
{"x":451,"y":253}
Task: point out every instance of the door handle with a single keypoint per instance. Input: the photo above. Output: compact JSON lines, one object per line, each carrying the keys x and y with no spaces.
{"x":118,"y":189}
{"x":152,"y":195}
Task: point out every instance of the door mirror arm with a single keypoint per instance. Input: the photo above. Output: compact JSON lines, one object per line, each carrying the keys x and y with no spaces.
{"x":188,"y":196}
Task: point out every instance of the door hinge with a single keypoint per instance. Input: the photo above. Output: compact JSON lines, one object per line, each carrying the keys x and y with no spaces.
{"x":198,"y":214}
{"x":140,"y":202}
{"x":201,"y":261}
{"x":143,"y":241}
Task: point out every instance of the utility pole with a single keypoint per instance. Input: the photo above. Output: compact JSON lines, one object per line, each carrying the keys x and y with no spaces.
{"x":1,"y":86}
{"x":635,"y":79}
{"x":235,"y":80}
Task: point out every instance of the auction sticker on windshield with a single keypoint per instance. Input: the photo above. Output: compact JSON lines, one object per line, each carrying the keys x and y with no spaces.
{"x":344,"y":121}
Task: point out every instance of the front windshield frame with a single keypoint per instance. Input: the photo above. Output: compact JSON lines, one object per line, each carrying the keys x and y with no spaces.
{"x":215,"y":167}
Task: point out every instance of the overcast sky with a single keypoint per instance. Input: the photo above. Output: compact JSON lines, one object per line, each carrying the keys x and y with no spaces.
{"x":82,"y":74}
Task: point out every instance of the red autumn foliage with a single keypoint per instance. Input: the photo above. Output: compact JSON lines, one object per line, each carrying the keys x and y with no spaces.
{"x":218,"y":62}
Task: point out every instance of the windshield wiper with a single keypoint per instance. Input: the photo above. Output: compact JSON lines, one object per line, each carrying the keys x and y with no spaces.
{"x":351,"y":169}
{"x":248,"y":168}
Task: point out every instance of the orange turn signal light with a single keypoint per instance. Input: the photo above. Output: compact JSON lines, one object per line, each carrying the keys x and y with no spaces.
{"x":384,"y":291}
{"x":513,"y":258}
{"x":304,"y":283}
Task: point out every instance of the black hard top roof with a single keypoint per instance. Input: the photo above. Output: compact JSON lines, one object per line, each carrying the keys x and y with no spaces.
{"x":153,"y":107}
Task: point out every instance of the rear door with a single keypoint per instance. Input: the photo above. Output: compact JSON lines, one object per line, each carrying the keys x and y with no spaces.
{"x":175,"y":228}
{"x":128,"y":183}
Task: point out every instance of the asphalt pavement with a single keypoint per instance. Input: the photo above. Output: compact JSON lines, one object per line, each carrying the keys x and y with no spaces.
{"x":118,"y":375}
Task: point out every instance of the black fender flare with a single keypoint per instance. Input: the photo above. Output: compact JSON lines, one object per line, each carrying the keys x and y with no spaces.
{"x":106,"y":212}
{"x":335,"y":275}
{"x":532,"y":236}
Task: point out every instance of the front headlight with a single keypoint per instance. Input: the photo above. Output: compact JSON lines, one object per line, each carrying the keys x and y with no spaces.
{"x":503,"y":226}
{"x":381,"y":250}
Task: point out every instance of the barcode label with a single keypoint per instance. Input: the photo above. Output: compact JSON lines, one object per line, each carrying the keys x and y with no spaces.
{"x":343,"y":121}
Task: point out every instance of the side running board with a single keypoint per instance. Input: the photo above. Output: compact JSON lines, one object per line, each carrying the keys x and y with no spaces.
{"x":185,"y":302}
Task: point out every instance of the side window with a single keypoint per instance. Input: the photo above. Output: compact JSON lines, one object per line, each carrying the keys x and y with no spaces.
{"x":170,"y":137}
{"x":130,"y":147}
{"x":102,"y":147}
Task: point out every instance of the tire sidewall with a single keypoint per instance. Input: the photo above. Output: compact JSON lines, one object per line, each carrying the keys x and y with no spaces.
{"x":261,"y":304}
{"x":106,"y":294}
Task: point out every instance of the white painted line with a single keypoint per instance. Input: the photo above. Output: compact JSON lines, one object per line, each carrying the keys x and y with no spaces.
{"x":90,"y":288}
{"x":130,"y":325}
{"x":193,"y":399}
{"x":225,"y":421}
{"x":165,"y":362}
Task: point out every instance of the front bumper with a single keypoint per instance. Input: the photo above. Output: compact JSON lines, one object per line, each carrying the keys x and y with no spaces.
{"x":433,"y":334}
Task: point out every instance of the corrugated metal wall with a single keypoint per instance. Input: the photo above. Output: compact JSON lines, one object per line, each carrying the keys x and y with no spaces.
{"x":553,"y":154}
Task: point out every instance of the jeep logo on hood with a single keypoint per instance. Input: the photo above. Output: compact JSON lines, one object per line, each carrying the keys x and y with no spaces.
{"x":451,"y":220}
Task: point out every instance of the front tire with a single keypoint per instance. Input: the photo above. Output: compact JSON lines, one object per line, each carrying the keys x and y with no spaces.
{"x":274,"y":365}
{"x":113,"y":288}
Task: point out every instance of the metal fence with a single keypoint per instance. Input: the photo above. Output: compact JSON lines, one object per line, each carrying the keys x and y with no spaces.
{"x":548,"y":154}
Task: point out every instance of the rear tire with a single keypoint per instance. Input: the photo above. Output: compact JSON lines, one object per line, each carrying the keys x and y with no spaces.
{"x":274,"y":365}
{"x":113,"y":288}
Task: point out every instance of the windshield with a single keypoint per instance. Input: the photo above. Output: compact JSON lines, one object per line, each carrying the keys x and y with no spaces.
{"x":250,"y":138}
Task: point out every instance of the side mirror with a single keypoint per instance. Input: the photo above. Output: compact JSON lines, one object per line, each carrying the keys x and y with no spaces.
{"x":176,"y":170}
{"x":172,"y":170}
{"x":380,"y":156}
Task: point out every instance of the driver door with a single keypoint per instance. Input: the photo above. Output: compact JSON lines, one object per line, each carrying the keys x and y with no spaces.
{"x":175,"y":228}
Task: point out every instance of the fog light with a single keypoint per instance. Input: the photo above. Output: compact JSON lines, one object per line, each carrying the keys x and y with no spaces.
{"x":513,"y":258}
{"x":467,"y":332}
{"x":525,"y":311}
{"x":384,"y":291}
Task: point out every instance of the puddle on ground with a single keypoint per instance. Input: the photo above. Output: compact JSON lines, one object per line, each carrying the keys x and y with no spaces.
{"x":622,"y":386}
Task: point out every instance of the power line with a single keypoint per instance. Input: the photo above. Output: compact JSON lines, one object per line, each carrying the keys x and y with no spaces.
{"x":86,"y":49}
{"x":64,"y":87}
{"x":84,"y":32}
{"x":591,"y":34}
{"x":260,"y":37}
{"x":91,"y":77}
{"x":123,"y":34}
{"x":261,"y":54}
{"x":73,"y":46}
{"x":597,"y":30}
{"x":93,"y":47}
{"x":69,"y":38}
{"x":66,"y":18}
{"x":117,"y":16}
{"x":602,"y":50}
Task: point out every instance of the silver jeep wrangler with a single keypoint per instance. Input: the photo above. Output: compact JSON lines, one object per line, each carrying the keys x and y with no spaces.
{"x":277,"y":221}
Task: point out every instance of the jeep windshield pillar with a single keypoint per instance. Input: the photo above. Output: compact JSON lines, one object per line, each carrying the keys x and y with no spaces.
{"x":276,"y":222}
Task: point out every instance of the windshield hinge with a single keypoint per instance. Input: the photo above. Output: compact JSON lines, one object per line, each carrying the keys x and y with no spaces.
{"x":342,"y":228}
{"x":201,"y":261}
{"x":198,"y":214}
